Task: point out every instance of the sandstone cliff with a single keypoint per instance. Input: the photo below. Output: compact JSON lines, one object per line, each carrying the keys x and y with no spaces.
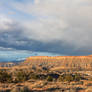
{"x":82,"y":62}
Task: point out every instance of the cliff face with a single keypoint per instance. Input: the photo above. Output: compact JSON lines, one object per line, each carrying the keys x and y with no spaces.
{"x":82,"y":62}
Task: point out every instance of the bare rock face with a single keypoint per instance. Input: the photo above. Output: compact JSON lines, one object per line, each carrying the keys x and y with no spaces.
{"x":82,"y":62}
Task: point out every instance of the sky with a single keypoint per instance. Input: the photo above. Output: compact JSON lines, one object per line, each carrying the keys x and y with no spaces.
{"x":62,"y":27}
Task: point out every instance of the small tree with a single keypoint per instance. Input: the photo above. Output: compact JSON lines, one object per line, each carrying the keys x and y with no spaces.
{"x":49,"y":78}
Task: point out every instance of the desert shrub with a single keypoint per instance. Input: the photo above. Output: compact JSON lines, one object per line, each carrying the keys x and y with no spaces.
{"x":39,"y":70}
{"x":49,"y":78}
{"x":42,"y":76}
{"x":21,"y":76}
{"x":60,"y":78}
{"x":68,"y":78}
{"x":90,"y":79}
{"x":77,"y":77}
{"x":5,"y":77}
{"x":34,"y":76}
{"x":22,"y":89}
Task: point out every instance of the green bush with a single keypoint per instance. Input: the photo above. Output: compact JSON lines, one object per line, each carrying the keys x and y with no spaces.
{"x":23,"y":89}
{"x":5,"y":77}
{"x":61,"y":78}
{"x":49,"y":78}
{"x":77,"y":77}
{"x":21,"y":76}
{"x":69,"y":78}
{"x":34,"y":76}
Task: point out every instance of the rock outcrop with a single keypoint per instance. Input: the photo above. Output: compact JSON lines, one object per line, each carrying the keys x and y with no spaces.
{"x":80,"y":62}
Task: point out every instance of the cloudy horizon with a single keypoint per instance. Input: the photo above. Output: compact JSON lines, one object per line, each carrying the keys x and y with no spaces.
{"x":50,"y":26}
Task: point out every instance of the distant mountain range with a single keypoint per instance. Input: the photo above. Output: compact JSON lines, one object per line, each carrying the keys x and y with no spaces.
{"x":8,"y":56}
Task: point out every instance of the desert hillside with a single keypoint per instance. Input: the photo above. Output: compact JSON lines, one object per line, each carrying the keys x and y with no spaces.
{"x":48,"y":74}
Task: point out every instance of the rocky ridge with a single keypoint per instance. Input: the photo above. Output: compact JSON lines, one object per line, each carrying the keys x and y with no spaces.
{"x":81,"y":62}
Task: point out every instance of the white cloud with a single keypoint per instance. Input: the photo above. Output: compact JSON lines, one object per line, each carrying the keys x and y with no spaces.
{"x":68,"y":21}
{"x":5,"y":49}
{"x":5,"y":23}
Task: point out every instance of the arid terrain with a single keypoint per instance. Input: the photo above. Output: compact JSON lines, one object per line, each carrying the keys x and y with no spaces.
{"x":48,"y":74}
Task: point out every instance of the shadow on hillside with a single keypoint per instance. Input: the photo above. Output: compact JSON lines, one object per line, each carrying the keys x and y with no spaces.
{"x":59,"y":90}
{"x":48,"y":90}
